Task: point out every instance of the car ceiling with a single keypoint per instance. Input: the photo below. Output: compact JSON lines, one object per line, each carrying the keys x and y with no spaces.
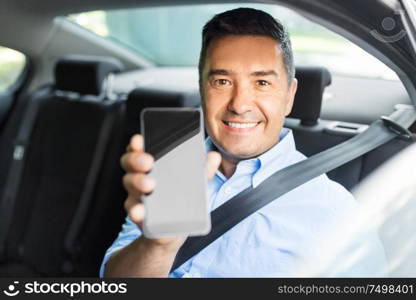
{"x":351,"y":15}
{"x":354,"y":19}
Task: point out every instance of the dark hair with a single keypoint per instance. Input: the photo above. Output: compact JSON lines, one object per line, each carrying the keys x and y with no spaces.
{"x":247,"y":21}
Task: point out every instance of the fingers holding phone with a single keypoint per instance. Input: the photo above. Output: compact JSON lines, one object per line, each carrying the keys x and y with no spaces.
{"x":175,"y":154}
{"x":137,"y":164}
{"x":137,"y":183}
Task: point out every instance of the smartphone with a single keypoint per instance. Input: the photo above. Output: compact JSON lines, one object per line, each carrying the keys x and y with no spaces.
{"x":179,"y":204}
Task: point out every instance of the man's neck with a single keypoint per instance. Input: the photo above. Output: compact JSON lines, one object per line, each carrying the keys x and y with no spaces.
{"x":229,"y":162}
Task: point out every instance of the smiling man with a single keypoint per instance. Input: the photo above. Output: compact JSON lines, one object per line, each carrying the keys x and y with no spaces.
{"x":247,"y":92}
{"x":247,"y":84}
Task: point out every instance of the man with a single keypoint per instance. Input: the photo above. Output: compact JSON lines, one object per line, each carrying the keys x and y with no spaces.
{"x":247,"y":84}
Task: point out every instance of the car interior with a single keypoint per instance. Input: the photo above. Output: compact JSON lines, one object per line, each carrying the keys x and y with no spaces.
{"x":68,"y":115}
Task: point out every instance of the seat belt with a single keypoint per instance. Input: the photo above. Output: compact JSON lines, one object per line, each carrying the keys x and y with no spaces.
{"x":251,"y":199}
{"x":16,"y":167}
{"x":70,"y":242}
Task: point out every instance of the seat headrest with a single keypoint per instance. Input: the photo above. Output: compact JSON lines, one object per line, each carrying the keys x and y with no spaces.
{"x":141,"y":98}
{"x":146,"y":97}
{"x":312,"y":82}
{"x":84,"y":74}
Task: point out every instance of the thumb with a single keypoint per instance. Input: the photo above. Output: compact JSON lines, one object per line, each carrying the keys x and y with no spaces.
{"x":213,"y":162}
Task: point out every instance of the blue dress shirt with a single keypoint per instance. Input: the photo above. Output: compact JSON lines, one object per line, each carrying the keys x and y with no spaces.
{"x":282,"y":239}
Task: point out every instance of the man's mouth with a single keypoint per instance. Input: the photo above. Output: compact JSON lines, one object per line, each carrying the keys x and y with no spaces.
{"x":240,"y":126}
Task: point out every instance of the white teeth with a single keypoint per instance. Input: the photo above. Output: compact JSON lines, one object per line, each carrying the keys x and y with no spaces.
{"x":241,"y":125}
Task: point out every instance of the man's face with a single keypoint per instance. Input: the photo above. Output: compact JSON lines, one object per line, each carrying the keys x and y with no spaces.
{"x":246,"y":94}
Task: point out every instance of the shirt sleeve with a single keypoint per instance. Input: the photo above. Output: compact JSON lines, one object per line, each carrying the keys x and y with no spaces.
{"x":128,"y":233}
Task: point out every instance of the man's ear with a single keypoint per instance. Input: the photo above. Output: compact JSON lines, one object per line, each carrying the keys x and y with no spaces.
{"x":291,"y":95}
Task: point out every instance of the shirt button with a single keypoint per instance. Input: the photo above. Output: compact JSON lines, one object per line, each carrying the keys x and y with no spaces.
{"x":228,"y":190}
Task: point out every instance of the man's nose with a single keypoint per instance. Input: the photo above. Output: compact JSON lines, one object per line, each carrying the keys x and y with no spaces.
{"x":241,"y":100}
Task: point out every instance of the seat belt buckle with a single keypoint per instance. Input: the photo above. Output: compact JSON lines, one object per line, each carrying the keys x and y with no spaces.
{"x":398,"y":129}
{"x":19,"y":152}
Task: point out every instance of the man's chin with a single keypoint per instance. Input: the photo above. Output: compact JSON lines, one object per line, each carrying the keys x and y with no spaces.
{"x":235,"y":152}
{"x":239,"y":153}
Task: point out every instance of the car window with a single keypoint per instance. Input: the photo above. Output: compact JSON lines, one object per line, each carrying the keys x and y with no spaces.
{"x":164,"y":36}
{"x":12,"y":64}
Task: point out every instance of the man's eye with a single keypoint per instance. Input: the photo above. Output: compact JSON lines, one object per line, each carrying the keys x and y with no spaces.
{"x":221,"y":82}
{"x":263,"y":83}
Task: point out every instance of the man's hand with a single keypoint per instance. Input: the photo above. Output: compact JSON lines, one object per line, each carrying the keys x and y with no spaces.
{"x":145,"y":257}
{"x":137,"y":164}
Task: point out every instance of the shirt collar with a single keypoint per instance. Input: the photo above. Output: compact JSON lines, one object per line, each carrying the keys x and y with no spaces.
{"x":268,"y":162}
{"x":286,"y":144}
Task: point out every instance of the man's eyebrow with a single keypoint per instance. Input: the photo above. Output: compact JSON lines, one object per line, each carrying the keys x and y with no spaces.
{"x":264,"y":73}
{"x":224,"y":72}
{"x":218,"y":72}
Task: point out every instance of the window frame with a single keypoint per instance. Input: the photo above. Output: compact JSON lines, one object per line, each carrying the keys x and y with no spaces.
{"x":9,"y":96}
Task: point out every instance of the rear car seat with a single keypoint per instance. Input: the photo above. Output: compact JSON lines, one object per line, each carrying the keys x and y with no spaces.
{"x":61,"y":223}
